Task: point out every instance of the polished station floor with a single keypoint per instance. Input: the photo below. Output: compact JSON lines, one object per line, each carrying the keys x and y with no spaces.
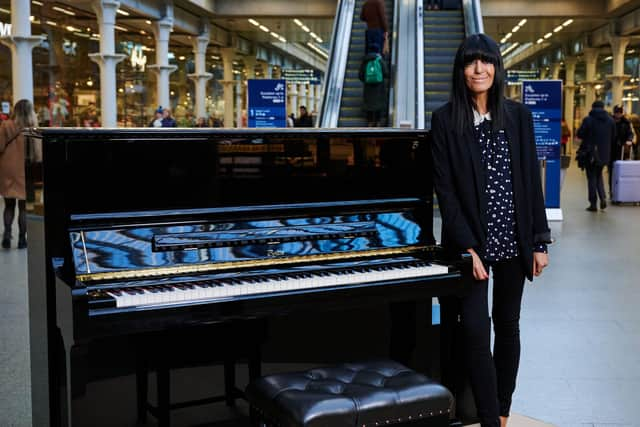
{"x":580,"y":325}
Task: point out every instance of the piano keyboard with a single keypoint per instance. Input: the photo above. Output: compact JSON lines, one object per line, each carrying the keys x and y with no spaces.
{"x":204,"y":290}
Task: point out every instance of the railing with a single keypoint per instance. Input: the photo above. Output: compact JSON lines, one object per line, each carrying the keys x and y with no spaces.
{"x":393,"y":69}
{"x":472,"y":17}
{"x":336,"y":64}
{"x":404,"y":101}
{"x":419,"y":65}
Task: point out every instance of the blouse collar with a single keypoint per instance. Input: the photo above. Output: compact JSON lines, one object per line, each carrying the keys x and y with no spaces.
{"x":479,"y":118}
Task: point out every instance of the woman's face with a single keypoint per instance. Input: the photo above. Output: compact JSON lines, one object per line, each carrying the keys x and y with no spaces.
{"x":479,"y":76}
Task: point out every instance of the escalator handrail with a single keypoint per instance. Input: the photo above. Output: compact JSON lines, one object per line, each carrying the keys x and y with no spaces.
{"x":472,"y":17}
{"x":393,"y":66}
{"x":420,"y":122}
{"x":337,"y":64}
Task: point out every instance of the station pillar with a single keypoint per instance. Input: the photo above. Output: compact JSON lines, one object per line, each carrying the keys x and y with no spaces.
{"x":200,"y":77}
{"x":162,"y":68}
{"x":555,"y":70}
{"x":591,"y":60}
{"x":107,"y":59}
{"x":228,"y":83}
{"x":21,"y":43}
{"x":569,"y":95}
{"x":267,"y":70}
{"x":302,"y":96}
{"x":293,"y":99}
{"x":618,"y":77}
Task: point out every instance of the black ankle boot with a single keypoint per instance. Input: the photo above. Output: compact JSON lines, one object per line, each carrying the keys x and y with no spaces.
{"x":6,"y":241}
{"x":22,"y":242}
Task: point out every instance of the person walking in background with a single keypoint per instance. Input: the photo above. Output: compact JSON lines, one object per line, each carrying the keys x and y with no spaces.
{"x":167,"y":120}
{"x":202,"y":122}
{"x":377,"y":29}
{"x":291,"y":120}
{"x":373,"y":72}
{"x":621,"y":150}
{"x":487,"y":179}
{"x":304,"y":120}
{"x":12,"y":170}
{"x":157,"y":120}
{"x":598,"y":134}
{"x":565,"y":136}
{"x":635,"y":124}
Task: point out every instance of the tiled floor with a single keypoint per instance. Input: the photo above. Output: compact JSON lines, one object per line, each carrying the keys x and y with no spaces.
{"x":580,"y":324}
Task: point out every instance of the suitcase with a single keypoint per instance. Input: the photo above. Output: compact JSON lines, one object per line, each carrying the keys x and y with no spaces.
{"x":625,"y":185}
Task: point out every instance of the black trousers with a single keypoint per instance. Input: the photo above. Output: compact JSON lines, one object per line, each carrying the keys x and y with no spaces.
{"x":493,"y":378}
{"x":9,"y":215}
{"x":596,"y":183}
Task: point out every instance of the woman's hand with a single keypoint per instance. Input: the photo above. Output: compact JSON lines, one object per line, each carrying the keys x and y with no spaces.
{"x":479,"y":272}
{"x":540,"y":261}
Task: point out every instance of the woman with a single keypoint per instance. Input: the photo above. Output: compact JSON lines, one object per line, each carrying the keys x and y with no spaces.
{"x":488,"y":185}
{"x":12,"y":166}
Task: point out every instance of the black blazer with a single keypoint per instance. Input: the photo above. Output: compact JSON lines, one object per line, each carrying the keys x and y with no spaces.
{"x":460,"y":183}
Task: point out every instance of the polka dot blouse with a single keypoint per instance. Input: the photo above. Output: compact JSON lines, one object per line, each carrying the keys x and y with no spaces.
{"x":501,"y":214}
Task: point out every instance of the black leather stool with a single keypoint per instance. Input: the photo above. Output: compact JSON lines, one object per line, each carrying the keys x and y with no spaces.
{"x":376,"y":393}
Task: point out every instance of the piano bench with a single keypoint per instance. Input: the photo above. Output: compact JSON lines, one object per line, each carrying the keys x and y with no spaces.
{"x":352,"y":394}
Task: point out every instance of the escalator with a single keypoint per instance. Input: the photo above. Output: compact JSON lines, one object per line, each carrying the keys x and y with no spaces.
{"x":443,"y":33}
{"x":351,"y":114}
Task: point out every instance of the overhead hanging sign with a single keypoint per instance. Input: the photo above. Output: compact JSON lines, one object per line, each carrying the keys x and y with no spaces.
{"x":515,"y":76}
{"x":267,"y":103}
{"x":300,"y":76}
{"x":544,"y":99}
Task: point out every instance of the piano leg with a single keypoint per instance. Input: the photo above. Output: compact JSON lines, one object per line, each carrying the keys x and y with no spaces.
{"x":142,"y":387}
{"x":402,"y":341}
{"x":163,"y":378}
{"x":73,"y":378}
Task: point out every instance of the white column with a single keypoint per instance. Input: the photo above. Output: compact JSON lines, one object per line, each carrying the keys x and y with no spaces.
{"x":569,"y":95}
{"x":200,"y":77}
{"x":618,"y":77}
{"x":107,"y":59}
{"x":228,"y":54}
{"x":543,"y":73}
{"x":293,"y":99}
{"x":268,"y":70}
{"x":162,"y":68}
{"x":240,"y":84}
{"x":21,"y":42}
{"x":302,"y":96}
{"x":250,"y":64}
{"x":591,"y":60}
{"x":317,"y":89}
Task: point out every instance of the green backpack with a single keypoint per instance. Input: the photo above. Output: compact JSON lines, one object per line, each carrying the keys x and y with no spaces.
{"x":373,"y":71}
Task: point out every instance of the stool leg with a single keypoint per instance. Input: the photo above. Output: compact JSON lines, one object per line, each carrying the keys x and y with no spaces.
{"x":162,"y":375}
{"x":142,"y":387}
{"x":230,"y":380}
{"x":255,"y":364}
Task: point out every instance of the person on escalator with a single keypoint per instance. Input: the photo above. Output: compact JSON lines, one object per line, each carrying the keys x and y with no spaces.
{"x":377,"y":29}
{"x":373,"y":72}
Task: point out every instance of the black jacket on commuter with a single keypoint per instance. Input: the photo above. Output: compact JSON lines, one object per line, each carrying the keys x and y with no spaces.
{"x":374,"y":95}
{"x":460,"y":183}
{"x":598,"y":130}
{"x":624,"y":133}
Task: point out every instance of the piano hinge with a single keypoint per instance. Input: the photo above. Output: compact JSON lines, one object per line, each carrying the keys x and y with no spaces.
{"x":270,"y":262}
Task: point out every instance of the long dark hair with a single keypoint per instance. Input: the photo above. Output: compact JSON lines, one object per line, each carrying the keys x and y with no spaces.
{"x":482,"y":47}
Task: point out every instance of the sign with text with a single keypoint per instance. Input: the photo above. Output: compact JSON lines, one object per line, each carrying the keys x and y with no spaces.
{"x":514,"y":76}
{"x":544,"y":99}
{"x":267,"y":103}
{"x":301,"y":76}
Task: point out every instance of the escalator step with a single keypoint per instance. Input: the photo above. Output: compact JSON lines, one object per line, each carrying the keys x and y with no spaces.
{"x":432,"y":86}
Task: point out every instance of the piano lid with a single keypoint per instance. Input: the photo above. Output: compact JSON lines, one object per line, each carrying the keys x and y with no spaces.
{"x":187,"y":245}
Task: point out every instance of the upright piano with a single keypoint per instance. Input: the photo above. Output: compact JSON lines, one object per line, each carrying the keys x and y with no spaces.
{"x":149,"y":231}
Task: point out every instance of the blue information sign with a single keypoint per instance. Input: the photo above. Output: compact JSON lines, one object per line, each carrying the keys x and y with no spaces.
{"x":267,"y":103}
{"x":544,"y":99}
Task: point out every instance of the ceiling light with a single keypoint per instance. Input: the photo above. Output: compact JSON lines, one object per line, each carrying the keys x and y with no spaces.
{"x":608,"y":58}
{"x":143,"y":32}
{"x":82,"y":35}
{"x":298,"y":22}
{"x":148,"y":22}
{"x":540,"y":40}
{"x":122,"y":12}
{"x":118,"y":27}
{"x":546,"y":36}
{"x":254,"y":22}
{"x":522,"y":22}
{"x":276,"y":35}
{"x":3,"y":10}
{"x":558,"y":28}
{"x":181,"y":58}
{"x":567,"y":22}
{"x":65,"y":11}
{"x":95,"y":35}
{"x":631,"y":51}
{"x":282,"y":39}
{"x":70,"y":28}
{"x":120,"y":90}
{"x":53,"y":24}
{"x":515,"y":29}
{"x":32,"y":18}
{"x":265,"y":29}
{"x":305,"y":28}
{"x":214,"y":57}
{"x":37,"y":3}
